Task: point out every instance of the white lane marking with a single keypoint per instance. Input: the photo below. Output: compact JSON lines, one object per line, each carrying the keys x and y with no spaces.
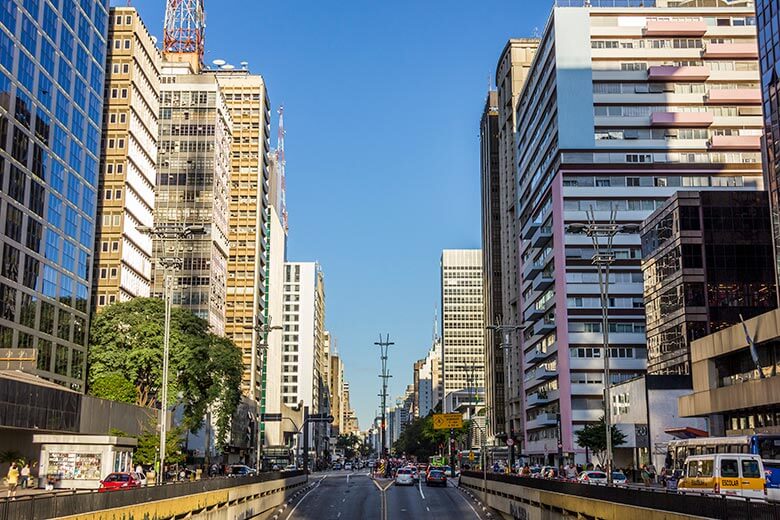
{"x":429,"y":509}
{"x":348,"y":473}
{"x":420,"y":487}
{"x":292,"y":511}
{"x":470,"y":506}
{"x":339,"y":515}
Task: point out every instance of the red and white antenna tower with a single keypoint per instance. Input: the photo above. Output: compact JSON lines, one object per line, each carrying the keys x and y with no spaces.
{"x":281,"y":164}
{"x":184,"y":30}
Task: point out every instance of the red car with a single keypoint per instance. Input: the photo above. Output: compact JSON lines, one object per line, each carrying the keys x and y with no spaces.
{"x":118,"y":481}
{"x":436,"y":477}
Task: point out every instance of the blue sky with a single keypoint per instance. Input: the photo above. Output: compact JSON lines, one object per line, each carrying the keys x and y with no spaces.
{"x":382,"y":107}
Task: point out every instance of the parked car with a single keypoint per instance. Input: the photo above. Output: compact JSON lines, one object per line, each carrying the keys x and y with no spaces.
{"x":436,"y":477}
{"x":732,"y":474}
{"x":240,"y":470}
{"x":337,"y":466}
{"x":403,"y":477}
{"x":348,"y":466}
{"x":119,"y":481}
{"x":140,"y":476}
{"x":290,"y":467}
{"x":619,"y":478}
{"x":592,"y":477}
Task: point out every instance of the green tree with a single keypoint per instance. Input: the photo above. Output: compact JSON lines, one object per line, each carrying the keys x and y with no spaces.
{"x":594,"y":437}
{"x":126,"y":350}
{"x":149,"y":447}
{"x":349,"y":443}
{"x":421,"y":440}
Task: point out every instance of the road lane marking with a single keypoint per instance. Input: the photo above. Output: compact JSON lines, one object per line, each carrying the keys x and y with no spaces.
{"x":420,"y":487}
{"x":469,"y":504}
{"x":429,"y":509}
{"x":292,"y":511}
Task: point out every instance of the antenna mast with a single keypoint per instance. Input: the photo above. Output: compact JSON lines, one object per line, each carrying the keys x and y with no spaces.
{"x":282,"y":165}
{"x":184,"y":31}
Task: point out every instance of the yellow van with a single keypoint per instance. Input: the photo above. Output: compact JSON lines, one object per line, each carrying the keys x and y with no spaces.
{"x":733,"y":474}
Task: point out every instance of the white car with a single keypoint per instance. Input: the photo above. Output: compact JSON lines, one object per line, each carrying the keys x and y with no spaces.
{"x":348,"y":466}
{"x":592,"y":477}
{"x":403,"y":477}
{"x":619,"y":478}
{"x":140,"y":476}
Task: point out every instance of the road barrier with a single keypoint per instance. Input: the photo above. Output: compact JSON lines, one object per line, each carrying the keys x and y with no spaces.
{"x":60,"y":504}
{"x":695,"y":505}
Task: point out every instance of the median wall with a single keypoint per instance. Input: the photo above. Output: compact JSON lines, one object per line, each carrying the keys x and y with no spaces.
{"x":212,"y":499}
{"x":539,"y":499}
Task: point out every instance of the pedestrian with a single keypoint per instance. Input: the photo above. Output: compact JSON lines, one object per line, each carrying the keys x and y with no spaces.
{"x":645,"y":475}
{"x":571,"y":471}
{"x":139,"y":469}
{"x":12,"y":480}
{"x":526,"y":471}
{"x":25,"y":473}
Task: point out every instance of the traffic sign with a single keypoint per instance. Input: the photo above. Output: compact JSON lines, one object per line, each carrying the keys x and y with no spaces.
{"x":270,"y":417}
{"x":471,"y":456}
{"x":321,"y":417}
{"x":510,"y":442}
{"x":447,"y":421}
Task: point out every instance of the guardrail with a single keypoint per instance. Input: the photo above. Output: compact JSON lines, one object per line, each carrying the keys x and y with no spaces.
{"x":710,"y":506}
{"x":64,"y":503}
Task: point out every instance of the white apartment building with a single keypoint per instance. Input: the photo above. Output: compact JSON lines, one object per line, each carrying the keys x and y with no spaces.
{"x":622,"y":107}
{"x":463,"y":325}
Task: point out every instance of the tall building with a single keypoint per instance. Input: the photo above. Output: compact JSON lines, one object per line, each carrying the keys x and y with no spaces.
{"x":708,"y":262}
{"x":123,"y":255}
{"x":639,"y":103}
{"x":51,"y":100}
{"x":768,"y":20}
{"x":304,"y":335}
{"x":511,"y":72}
{"x":247,"y":296}
{"x":193,"y":189}
{"x":491,"y":261}
{"x":463,"y":327}
{"x":429,"y":380}
{"x":336,"y":390}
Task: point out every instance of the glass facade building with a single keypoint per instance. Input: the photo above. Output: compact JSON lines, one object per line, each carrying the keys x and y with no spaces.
{"x":52,"y":61}
{"x":707,"y":261}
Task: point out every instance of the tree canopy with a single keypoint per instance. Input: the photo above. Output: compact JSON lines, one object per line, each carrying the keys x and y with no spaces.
{"x":125,"y":362}
{"x":420,"y":440}
{"x":594,"y":437}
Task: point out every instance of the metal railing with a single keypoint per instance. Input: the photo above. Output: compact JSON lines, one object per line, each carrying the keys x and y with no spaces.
{"x":708,"y":506}
{"x":63,"y":503}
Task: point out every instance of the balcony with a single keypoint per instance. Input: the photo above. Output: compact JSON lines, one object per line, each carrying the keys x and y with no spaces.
{"x":545,"y":373}
{"x":675,"y":28}
{"x":543,"y":327}
{"x":597,"y":364}
{"x":735,"y":142}
{"x":529,"y":229}
{"x":736,"y":96}
{"x":542,"y":420}
{"x":543,"y":281}
{"x":681,"y":119}
{"x":731,"y":50}
{"x":531,"y":269}
{"x":671,"y":73}
{"x":533,"y":313}
{"x":541,"y":398}
{"x":587,"y":389}
{"x":536,"y":355}
{"x":542,"y":236}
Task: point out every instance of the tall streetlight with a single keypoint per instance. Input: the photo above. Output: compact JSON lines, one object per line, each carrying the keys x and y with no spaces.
{"x":175,"y":234}
{"x":260,"y":345}
{"x":506,"y":347}
{"x":603,"y":258}
{"x":384,"y":346}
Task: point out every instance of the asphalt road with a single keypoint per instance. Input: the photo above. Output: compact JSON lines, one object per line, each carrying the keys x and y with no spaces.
{"x":337,"y":496}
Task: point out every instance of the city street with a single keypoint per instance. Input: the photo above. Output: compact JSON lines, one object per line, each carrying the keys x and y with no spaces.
{"x":355,"y":496}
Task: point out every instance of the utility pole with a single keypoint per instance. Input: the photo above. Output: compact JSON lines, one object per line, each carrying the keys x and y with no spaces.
{"x":169,"y":263}
{"x":384,"y":346}
{"x":261,"y":344}
{"x":506,"y":347}
{"x":306,"y":440}
{"x":603,"y":258}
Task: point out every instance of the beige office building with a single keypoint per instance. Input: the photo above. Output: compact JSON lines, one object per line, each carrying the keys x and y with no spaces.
{"x":247,"y":294}
{"x":193,"y":189}
{"x":123,"y":267}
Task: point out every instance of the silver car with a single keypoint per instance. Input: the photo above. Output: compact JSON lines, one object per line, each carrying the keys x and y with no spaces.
{"x":403,"y":477}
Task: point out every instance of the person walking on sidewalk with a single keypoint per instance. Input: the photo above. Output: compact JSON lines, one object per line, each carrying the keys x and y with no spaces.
{"x":12,"y":480}
{"x":25,"y":480}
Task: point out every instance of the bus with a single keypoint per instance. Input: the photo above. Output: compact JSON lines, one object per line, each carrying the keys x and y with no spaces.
{"x":767,"y":446}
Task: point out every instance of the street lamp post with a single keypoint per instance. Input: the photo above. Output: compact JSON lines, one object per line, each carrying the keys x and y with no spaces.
{"x":603,"y":258}
{"x":169,"y":264}
{"x":506,"y":347}
{"x":261,"y":345}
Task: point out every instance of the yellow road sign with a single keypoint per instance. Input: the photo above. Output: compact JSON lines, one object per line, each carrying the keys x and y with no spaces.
{"x":446,"y":421}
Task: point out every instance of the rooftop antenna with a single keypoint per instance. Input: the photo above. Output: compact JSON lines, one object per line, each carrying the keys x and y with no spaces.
{"x":184,"y":29}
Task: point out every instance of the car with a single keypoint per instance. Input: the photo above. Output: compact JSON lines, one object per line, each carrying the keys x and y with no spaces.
{"x":337,"y":466}
{"x":548,"y":472}
{"x":403,"y":477}
{"x":415,"y":473}
{"x":436,"y":477}
{"x":448,"y":471}
{"x":619,"y":478}
{"x":592,"y":477}
{"x":730,"y":474}
{"x":348,"y":466}
{"x":118,"y":481}
{"x":240,"y":470}
{"x":290,"y":467}
{"x":141,"y":477}
{"x":371,"y":463}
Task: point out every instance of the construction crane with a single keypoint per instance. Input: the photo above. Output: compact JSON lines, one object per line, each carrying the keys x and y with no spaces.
{"x":281,"y":164}
{"x":184,"y":29}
